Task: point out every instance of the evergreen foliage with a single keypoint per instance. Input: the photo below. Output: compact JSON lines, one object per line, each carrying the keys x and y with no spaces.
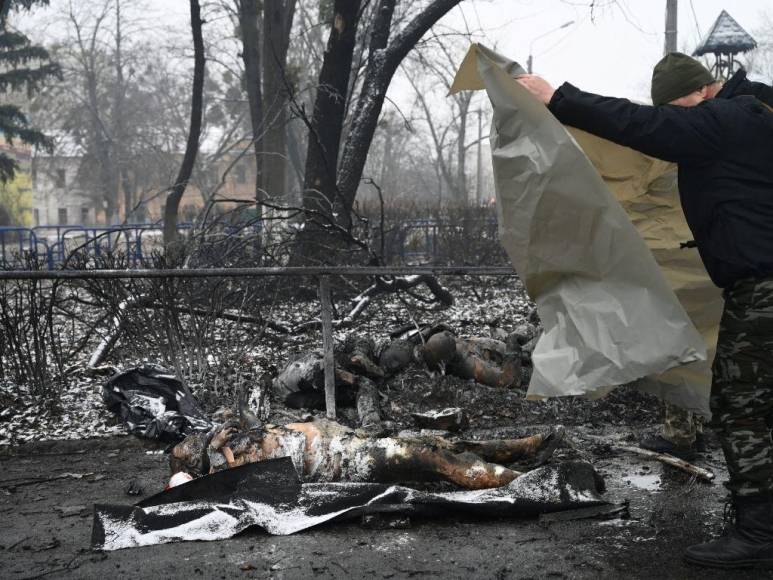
{"x":23,"y":67}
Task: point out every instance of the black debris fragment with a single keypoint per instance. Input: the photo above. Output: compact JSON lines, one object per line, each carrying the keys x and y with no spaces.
{"x":154,"y":404}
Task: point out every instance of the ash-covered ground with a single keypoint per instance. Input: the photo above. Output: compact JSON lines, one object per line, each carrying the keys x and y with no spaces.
{"x":483,"y":307}
{"x":59,"y":460}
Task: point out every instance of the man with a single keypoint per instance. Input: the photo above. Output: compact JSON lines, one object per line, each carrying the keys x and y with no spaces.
{"x":683,"y":81}
{"x":724,"y":151}
{"x":324,"y":450}
{"x":678,"y":80}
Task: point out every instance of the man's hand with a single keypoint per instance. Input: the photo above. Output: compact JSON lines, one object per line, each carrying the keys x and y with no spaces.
{"x":537,"y":86}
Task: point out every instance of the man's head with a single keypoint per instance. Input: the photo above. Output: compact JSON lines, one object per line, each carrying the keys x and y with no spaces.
{"x":681,"y":80}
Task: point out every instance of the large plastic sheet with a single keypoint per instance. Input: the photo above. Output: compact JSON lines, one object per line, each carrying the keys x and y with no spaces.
{"x":610,"y":317}
{"x":270,"y":495}
{"x":647,"y":190}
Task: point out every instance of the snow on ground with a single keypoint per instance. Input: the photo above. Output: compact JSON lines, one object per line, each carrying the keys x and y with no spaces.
{"x":481,"y":306}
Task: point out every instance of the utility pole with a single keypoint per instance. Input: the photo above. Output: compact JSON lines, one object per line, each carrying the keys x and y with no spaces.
{"x":671,"y":26}
{"x":479,"y":181}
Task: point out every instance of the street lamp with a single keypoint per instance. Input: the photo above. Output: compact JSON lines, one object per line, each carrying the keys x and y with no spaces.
{"x":544,"y":34}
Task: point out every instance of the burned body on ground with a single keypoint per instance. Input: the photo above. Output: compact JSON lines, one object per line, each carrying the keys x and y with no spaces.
{"x":301,"y":383}
{"x":324,"y":450}
{"x":361,"y":367}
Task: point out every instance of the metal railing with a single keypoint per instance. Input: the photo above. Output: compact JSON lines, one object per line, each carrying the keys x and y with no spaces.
{"x":257,"y":272}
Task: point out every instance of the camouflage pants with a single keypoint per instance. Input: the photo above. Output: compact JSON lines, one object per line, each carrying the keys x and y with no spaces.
{"x":742,"y":387}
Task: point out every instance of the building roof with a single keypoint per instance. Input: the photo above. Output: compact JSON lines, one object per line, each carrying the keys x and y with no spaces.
{"x":726,"y":37}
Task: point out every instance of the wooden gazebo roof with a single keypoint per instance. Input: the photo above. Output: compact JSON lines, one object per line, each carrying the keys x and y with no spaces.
{"x":726,"y":37}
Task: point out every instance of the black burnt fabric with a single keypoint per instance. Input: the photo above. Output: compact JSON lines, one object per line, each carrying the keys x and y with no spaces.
{"x":154,"y":404}
{"x":269,"y":495}
{"x":724,"y":150}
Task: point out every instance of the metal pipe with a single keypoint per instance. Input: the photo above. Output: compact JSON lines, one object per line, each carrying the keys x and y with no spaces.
{"x":328,"y":345}
{"x":256,"y":272}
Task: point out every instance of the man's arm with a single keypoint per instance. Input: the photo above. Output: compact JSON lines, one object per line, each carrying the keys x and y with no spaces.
{"x":676,"y":134}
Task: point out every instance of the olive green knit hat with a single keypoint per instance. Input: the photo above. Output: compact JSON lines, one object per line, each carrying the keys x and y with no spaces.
{"x":677,"y":75}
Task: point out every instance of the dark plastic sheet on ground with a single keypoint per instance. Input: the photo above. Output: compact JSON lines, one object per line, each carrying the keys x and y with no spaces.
{"x":154,"y":404}
{"x":269,"y":495}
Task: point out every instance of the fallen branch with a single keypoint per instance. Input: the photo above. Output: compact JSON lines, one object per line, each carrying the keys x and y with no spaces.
{"x":698,"y":472}
{"x":13,"y":484}
{"x":384,"y":286}
{"x":606,"y":512}
{"x":109,"y":340}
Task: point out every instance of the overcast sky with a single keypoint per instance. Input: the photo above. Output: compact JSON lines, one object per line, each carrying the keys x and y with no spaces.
{"x":614,"y":52}
{"x":611,"y":50}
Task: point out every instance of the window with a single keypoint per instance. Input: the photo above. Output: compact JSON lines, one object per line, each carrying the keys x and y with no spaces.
{"x":84,"y":215}
{"x":36,"y":216}
{"x":241,"y":174}
{"x":61,"y":180}
{"x":63,"y":216}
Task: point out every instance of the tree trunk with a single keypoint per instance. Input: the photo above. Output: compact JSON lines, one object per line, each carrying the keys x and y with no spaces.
{"x":387,"y":161}
{"x":277,"y":23}
{"x":119,"y":129}
{"x":102,"y":150}
{"x":330,"y":108}
{"x":248,"y":22}
{"x":461,"y":152}
{"x":295,"y":155}
{"x":192,"y":146}
{"x":382,"y":65}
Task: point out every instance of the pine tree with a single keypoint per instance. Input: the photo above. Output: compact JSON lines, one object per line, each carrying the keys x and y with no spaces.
{"x":23,"y":66}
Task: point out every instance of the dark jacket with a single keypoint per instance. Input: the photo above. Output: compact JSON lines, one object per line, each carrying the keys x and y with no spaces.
{"x":738,"y":85}
{"x":724,"y":150}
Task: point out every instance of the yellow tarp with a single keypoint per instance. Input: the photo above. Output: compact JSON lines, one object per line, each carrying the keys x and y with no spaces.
{"x":647,"y":190}
{"x":609,"y":315}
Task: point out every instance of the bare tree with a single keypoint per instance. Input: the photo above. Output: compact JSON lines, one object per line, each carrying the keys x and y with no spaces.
{"x":277,"y":26}
{"x":329,"y":113}
{"x":760,"y":61}
{"x":98,"y":143}
{"x":385,"y":56}
{"x":331,"y":184}
{"x":248,"y":24}
{"x":435,"y":68}
{"x":171,"y":210}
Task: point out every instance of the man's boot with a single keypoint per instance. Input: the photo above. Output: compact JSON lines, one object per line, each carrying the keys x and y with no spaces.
{"x":660,"y":444}
{"x":748,"y":545}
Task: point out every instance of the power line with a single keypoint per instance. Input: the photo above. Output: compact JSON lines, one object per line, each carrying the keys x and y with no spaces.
{"x":695,"y":18}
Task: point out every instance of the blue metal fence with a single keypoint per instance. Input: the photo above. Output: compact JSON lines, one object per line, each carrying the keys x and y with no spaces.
{"x":410,"y":241}
{"x":54,"y":243}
